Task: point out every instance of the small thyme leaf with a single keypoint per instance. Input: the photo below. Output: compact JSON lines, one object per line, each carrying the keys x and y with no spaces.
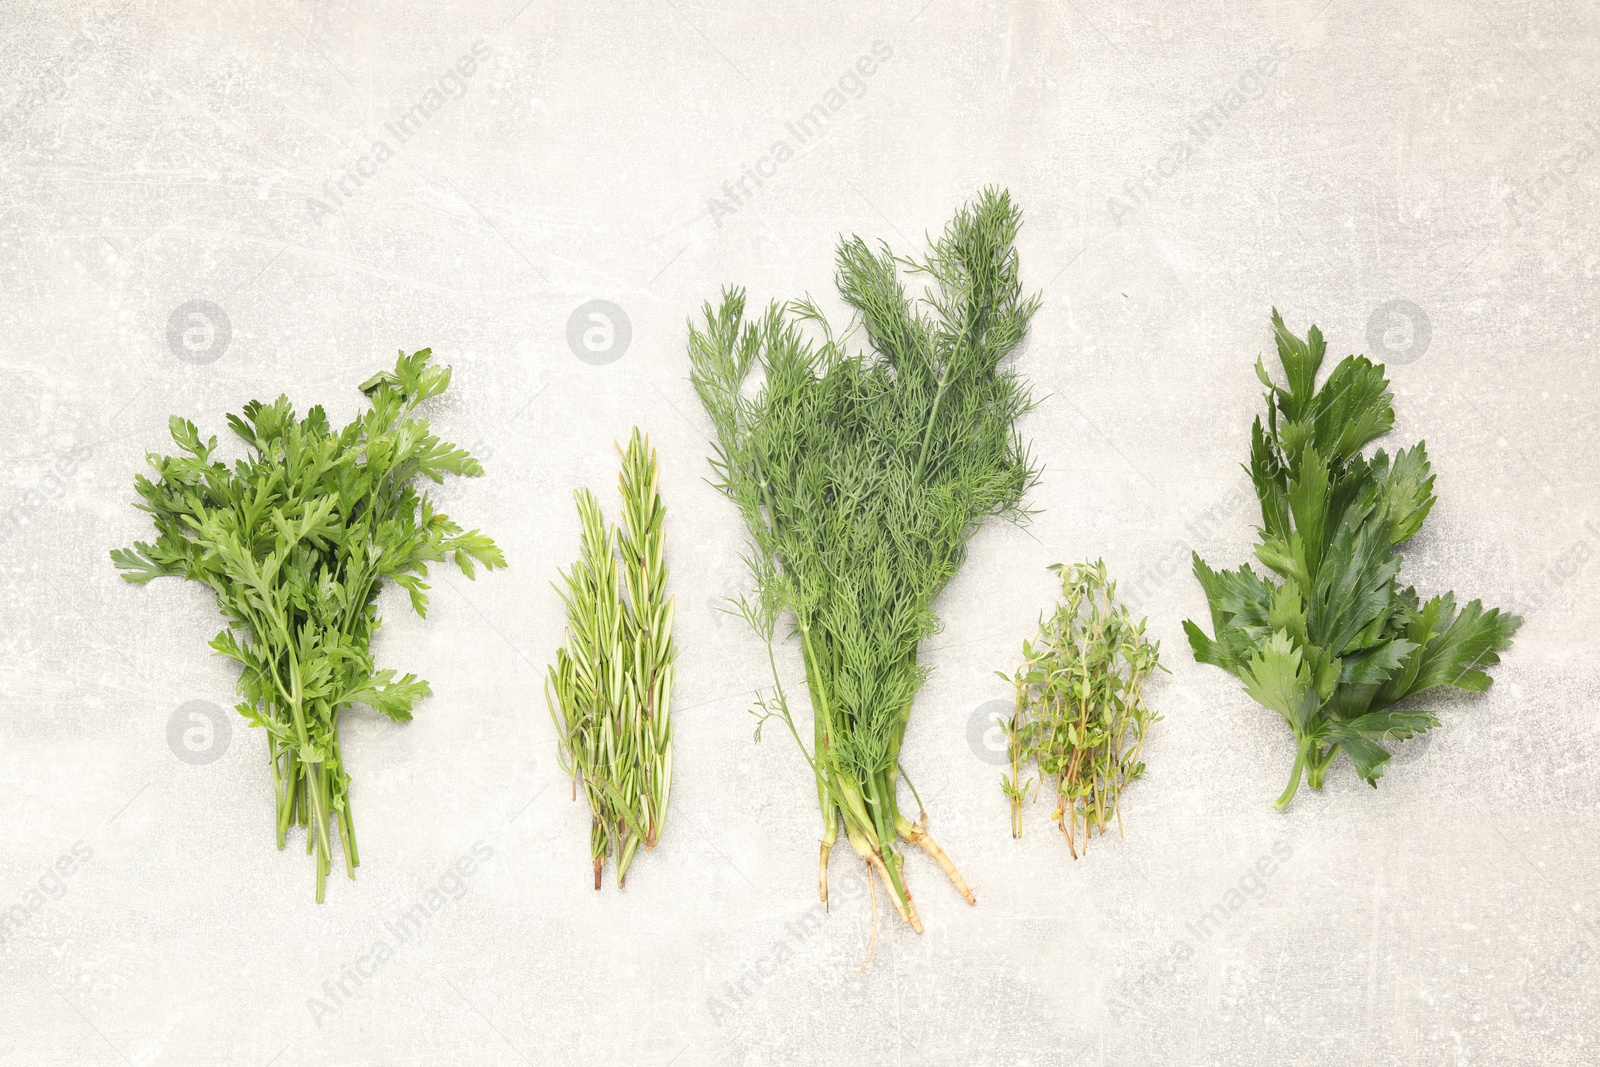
{"x":1081,"y":714}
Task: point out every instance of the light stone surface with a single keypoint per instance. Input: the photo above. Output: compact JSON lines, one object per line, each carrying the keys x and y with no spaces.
{"x":1442,"y":154}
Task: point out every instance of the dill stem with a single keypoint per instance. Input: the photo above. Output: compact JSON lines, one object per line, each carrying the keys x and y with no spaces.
{"x":881,"y":810}
{"x":830,"y":834}
{"x":927,"y":431}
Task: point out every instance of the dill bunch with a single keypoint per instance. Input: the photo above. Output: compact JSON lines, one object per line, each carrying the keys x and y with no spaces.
{"x":861,"y":477}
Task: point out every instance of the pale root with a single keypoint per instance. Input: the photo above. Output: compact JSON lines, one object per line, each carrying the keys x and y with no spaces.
{"x":822,"y":870}
{"x":905,"y":908}
{"x":924,"y":840}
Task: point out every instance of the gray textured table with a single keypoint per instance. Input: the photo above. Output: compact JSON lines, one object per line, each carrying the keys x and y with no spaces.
{"x":332,"y":185}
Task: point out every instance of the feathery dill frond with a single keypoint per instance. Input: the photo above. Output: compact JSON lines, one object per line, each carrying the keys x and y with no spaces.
{"x":861,"y":477}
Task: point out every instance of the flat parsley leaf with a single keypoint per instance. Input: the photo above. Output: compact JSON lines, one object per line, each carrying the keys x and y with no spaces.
{"x":296,"y":540}
{"x":1335,"y":641}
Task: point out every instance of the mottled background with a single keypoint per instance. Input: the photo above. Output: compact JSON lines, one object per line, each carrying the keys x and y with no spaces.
{"x":193,"y":214}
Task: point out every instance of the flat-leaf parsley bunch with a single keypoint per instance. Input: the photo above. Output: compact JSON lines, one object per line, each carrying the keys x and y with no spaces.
{"x":296,"y":540}
{"x":1330,"y":640}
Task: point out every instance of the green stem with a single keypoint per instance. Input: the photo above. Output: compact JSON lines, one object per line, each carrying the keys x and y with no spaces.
{"x":290,"y":799}
{"x":824,"y":761}
{"x":347,"y":825}
{"x":880,"y":805}
{"x":1317,"y":764}
{"x":319,"y":808}
{"x":1016,"y":766}
{"x":280,"y":790}
{"x":1294,"y":776}
{"x":927,"y":431}
{"x":316,"y":785}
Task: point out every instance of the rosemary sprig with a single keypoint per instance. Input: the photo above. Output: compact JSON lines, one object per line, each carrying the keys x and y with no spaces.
{"x":1081,"y":714}
{"x":861,"y":479}
{"x":611,"y":686}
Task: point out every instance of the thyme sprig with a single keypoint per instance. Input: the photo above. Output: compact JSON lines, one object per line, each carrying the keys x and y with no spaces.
{"x":1081,"y":714}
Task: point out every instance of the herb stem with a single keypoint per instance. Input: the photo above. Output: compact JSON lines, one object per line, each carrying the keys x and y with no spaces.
{"x":1294,"y":775}
{"x":933,"y":414}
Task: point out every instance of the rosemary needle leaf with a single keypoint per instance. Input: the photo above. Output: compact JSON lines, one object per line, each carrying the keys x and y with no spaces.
{"x":610,"y":689}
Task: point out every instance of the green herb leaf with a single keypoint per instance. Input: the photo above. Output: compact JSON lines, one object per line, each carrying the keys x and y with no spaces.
{"x":296,"y":541}
{"x":1335,"y":641}
{"x":610,"y":688}
{"x":861,"y":477}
